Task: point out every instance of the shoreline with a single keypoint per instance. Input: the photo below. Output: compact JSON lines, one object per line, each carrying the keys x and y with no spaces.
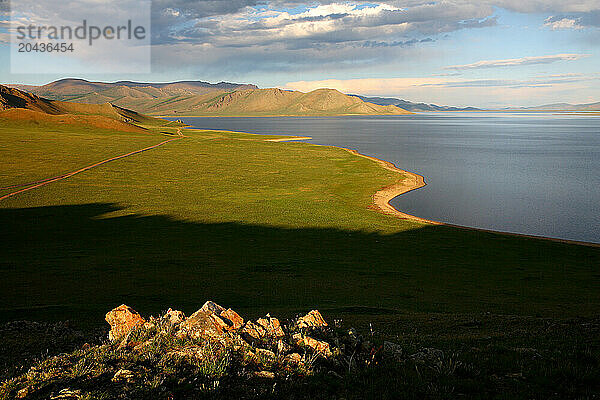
{"x":277,"y":115}
{"x":383,"y":197}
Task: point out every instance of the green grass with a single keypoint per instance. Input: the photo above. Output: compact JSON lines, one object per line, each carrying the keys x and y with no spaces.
{"x":31,"y":151}
{"x":282,"y":228}
{"x":253,"y":225}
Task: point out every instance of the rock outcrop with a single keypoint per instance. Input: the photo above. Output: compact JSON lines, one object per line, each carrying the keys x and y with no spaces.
{"x":264,"y":342}
{"x":122,"y":320}
{"x":212,"y":346}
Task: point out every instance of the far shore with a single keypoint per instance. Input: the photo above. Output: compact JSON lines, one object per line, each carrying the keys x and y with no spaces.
{"x":278,"y":115}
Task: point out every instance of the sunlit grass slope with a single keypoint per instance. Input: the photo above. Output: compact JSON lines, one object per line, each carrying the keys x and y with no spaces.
{"x":251,"y":224}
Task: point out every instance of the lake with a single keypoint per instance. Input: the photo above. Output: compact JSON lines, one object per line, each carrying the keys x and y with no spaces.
{"x":530,"y":173}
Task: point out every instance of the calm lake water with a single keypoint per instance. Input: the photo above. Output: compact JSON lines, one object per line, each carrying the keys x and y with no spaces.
{"x":529,"y":173}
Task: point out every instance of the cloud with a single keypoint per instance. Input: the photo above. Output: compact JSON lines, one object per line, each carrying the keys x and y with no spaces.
{"x":399,"y":85}
{"x":564,"y":23}
{"x":484,"y":92}
{"x":514,"y":62}
{"x":343,"y":33}
{"x":573,"y":21}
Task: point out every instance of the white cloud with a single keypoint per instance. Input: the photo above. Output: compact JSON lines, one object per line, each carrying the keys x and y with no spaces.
{"x":513,"y":62}
{"x":483,"y":93}
{"x":564,"y":23}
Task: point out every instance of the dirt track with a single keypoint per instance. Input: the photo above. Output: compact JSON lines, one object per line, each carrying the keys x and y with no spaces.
{"x":44,"y":182}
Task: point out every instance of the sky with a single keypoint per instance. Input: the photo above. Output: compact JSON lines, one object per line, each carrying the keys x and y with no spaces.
{"x":485,"y":53}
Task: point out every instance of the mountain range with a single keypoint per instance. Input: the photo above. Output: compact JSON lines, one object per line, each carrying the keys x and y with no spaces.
{"x":560,"y":107}
{"x":191,"y":98}
{"x":410,"y":106}
{"x":18,"y":105}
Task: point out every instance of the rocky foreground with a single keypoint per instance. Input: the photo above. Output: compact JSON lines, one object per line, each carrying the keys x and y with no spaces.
{"x":212,"y":351}
{"x":215,"y":353}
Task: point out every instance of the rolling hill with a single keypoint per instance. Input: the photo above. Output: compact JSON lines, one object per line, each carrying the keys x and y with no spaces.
{"x":193,"y":98}
{"x":410,"y":106}
{"x":19,"y":105}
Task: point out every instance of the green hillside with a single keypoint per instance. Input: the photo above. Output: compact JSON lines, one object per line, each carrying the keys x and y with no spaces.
{"x":199,"y":99}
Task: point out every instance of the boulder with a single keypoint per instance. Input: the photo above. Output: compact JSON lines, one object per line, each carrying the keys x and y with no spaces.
{"x":271,"y":326}
{"x":317,"y":346}
{"x":230,"y":318}
{"x":313,"y":319}
{"x":293,"y":358}
{"x":175,"y":317}
{"x":211,"y":306}
{"x":294,"y":362}
{"x":265,"y":358}
{"x":253,"y":333}
{"x":231,"y":315}
{"x":122,"y":320}
{"x":203,"y":324}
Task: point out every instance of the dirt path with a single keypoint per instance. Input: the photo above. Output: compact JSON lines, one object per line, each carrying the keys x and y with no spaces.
{"x":44,"y":182}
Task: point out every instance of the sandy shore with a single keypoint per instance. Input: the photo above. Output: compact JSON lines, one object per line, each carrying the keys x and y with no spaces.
{"x":382,"y":198}
{"x":412,"y":181}
{"x":290,"y":139}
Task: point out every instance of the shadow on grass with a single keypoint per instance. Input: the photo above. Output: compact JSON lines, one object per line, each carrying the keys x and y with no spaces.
{"x":64,"y":262}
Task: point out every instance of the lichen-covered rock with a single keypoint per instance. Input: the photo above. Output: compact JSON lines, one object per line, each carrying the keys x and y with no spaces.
{"x":293,"y":358}
{"x":175,"y":317}
{"x":317,"y":346}
{"x":234,"y":317}
{"x":271,"y":326}
{"x":122,"y":320}
{"x":252,"y":332}
{"x":313,"y":319}
{"x":211,"y":306}
{"x":203,"y":324}
{"x":265,"y":358}
{"x":231,"y":320}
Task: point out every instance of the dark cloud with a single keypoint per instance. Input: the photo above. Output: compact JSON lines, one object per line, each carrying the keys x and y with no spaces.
{"x":265,"y":36}
{"x":203,"y":8}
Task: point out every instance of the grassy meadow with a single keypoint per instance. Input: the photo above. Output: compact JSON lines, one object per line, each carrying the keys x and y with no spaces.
{"x":251,"y":224}
{"x":273,"y":227}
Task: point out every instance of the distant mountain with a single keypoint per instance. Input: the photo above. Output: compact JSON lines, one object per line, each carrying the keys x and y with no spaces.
{"x":191,"y":98}
{"x":409,"y":106}
{"x":561,"y":107}
{"x":19,"y":105}
{"x":100,"y":92}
